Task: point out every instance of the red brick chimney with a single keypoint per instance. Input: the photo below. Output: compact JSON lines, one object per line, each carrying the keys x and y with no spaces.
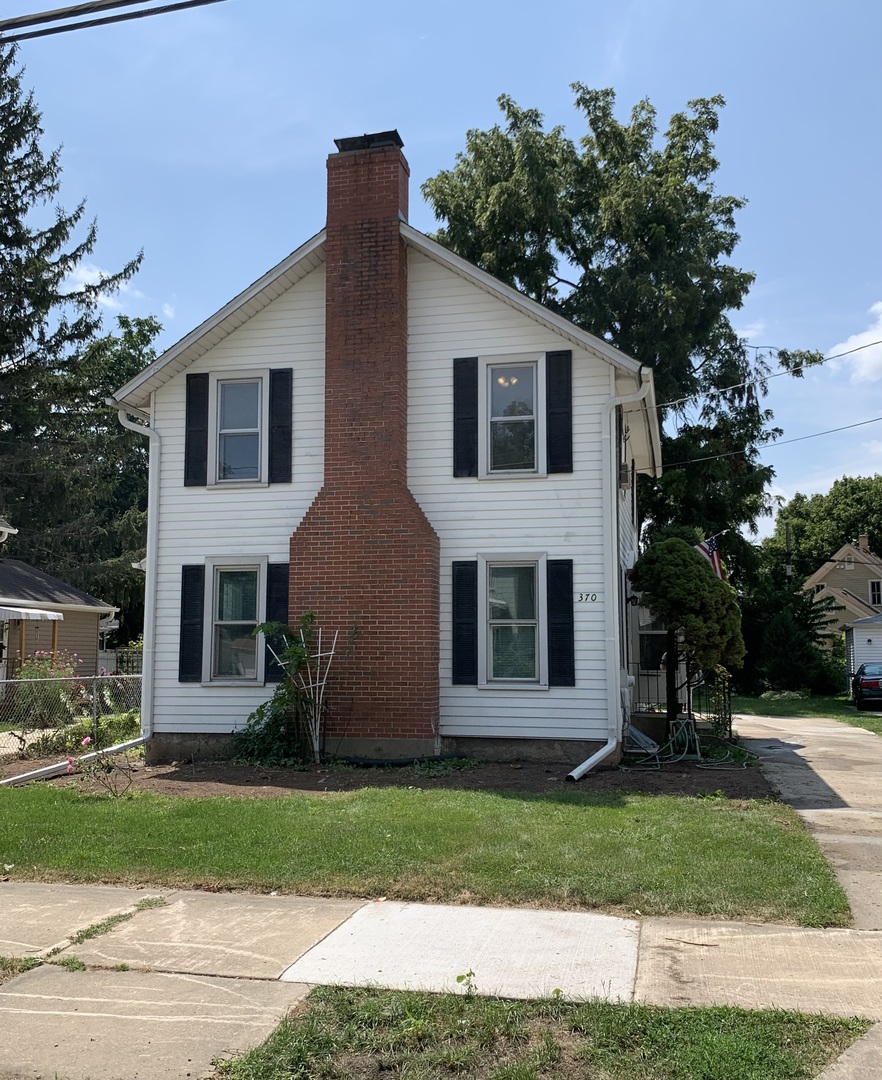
{"x":365,"y":558}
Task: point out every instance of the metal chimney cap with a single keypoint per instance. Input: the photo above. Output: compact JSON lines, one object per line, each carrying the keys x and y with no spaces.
{"x":375,"y":141}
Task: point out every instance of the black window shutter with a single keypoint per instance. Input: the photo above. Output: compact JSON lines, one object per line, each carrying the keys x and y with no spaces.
{"x":276,"y":611}
{"x":280,"y":425}
{"x":559,"y":411}
{"x":196,"y":428}
{"x":561,"y":643}
{"x":465,"y":416}
{"x":465,"y":623}
{"x":192,"y":616}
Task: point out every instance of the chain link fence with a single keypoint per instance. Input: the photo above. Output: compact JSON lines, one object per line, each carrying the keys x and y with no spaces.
{"x":49,"y":717}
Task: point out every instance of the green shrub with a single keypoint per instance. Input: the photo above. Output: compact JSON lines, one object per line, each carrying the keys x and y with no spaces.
{"x":110,"y":730}
{"x":272,"y":736}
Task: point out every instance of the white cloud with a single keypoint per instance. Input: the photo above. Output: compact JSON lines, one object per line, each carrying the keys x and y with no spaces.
{"x":752,"y":331}
{"x":864,"y":366}
{"x":90,"y":274}
{"x":168,"y":311}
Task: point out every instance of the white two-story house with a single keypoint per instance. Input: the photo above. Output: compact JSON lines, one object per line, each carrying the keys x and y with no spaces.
{"x":437,"y":467}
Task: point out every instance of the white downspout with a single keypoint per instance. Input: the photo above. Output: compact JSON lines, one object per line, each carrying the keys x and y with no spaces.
{"x":147,"y":678}
{"x":611,"y":592}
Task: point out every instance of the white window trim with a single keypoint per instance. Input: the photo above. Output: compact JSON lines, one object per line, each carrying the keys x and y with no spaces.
{"x":870,"y":584}
{"x":512,"y":558}
{"x":232,"y":562}
{"x":484,"y":365}
{"x":215,"y":377}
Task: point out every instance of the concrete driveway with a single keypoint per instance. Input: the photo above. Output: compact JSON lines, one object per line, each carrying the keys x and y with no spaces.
{"x":831,"y":773}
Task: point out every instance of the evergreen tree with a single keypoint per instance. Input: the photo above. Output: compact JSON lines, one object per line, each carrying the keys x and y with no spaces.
{"x":70,"y":480}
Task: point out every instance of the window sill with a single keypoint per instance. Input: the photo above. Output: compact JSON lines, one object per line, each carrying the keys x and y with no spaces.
{"x":525,"y":474}
{"x":219,"y":684}
{"x":237,"y":485}
{"x":501,"y":685}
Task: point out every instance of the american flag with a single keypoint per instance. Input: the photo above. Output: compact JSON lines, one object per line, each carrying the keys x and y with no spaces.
{"x":710,"y":549}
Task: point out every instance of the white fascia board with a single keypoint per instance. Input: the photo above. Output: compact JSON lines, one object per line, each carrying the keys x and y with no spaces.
{"x":136,"y":392}
{"x":649,"y":439}
{"x":44,"y":605}
{"x":513,"y":298}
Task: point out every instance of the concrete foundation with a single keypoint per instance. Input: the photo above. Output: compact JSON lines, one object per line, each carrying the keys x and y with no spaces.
{"x":569,"y":752}
{"x":165,"y":747}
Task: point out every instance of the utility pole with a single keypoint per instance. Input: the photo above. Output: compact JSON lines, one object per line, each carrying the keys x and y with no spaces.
{"x":788,"y":571}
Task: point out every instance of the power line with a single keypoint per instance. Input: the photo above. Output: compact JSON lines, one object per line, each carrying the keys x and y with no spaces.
{"x":765,"y":378}
{"x":773,"y":445}
{"x":96,"y":5}
{"x":65,"y":13}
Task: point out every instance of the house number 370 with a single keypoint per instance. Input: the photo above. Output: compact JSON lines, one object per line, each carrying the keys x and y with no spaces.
{"x":587,"y":597}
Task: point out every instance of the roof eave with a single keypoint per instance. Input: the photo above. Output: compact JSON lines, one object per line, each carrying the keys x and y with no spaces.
{"x":136,"y":392}
{"x":512,"y":297}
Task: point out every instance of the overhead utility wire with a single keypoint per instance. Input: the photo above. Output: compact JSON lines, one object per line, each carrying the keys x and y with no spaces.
{"x":766,"y":378}
{"x":773,"y":445}
{"x":163,"y":10}
{"x":71,"y":12}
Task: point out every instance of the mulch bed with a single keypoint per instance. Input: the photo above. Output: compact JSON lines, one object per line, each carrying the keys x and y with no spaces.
{"x":220,"y":778}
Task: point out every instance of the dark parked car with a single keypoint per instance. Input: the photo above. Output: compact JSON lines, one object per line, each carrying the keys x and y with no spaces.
{"x":866,"y":686}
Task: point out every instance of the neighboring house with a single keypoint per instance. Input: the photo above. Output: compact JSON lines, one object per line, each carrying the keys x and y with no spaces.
{"x":39,"y":613}
{"x":863,"y":644}
{"x":439,"y":468}
{"x":852,"y":578}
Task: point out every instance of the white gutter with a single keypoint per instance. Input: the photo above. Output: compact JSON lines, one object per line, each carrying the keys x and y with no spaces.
{"x":62,"y":766}
{"x":611,"y":592}
{"x":151,"y":560}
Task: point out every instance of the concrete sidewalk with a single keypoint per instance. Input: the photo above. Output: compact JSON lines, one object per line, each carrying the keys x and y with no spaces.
{"x":205,"y":975}
{"x":831,"y":773}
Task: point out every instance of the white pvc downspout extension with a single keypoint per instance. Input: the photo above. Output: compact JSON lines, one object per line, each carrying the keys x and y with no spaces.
{"x":611,"y":591}
{"x":152,"y":556}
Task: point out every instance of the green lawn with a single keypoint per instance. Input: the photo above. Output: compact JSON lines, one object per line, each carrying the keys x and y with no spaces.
{"x":833,"y":708}
{"x":659,"y":855}
{"x":362,"y":1034}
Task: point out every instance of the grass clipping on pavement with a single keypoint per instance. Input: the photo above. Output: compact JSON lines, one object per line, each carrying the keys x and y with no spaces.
{"x":361,"y":1034}
{"x":623,"y":853}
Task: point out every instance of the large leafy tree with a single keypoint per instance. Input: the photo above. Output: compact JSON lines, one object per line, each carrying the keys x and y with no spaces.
{"x":69,"y":479}
{"x":821,"y":524}
{"x":626,"y":235}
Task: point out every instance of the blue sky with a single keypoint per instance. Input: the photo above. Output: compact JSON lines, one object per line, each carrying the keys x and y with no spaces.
{"x":201,"y":136}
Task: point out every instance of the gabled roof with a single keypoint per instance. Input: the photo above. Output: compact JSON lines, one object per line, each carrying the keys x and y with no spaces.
{"x":861,"y":557}
{"x":869,"y":623}
{"x":26,"y":586}
{"x":136,"y":393}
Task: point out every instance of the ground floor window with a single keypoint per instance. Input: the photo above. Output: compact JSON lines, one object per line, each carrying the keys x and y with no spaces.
{"x":235,"y":616}
{"x":652,"y":640}
{"x":223,"y":600}
{"x":512,"y":621}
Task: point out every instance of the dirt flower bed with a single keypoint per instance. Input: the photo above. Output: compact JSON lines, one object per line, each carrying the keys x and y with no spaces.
{"x":223,"y":778}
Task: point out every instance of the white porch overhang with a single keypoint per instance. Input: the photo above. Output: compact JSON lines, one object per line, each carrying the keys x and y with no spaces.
{"x":24,"y":613}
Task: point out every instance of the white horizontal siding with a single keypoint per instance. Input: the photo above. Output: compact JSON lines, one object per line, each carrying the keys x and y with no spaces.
{"x":561,"y":514}
{"x":195,"y":523}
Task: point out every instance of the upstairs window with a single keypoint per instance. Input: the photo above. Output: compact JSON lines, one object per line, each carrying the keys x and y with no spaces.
{"x":513,"y":415}
{"x":239,"y":429}
{"x":876,"y":593}
{"x":511,"y":428}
